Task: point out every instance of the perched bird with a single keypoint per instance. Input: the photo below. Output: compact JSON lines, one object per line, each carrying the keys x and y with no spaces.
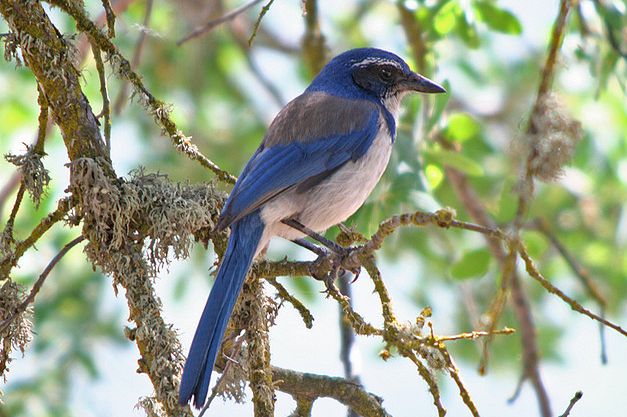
{"x":320,"y":159}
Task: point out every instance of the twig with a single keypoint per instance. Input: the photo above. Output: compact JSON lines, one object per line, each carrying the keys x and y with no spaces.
{"x":39,"y":283}
{"x":495,"y":311}
{"x":611,"y":37}
{"x":295,"y":302}
{"x":16,"y":207}
{"x":306,"y":385}
{"x":473,"y":335}
{"x":122,"y":97}
{"x":313,"y":42}
{"x":414,"y":35}
{"x":263,"y":12}
{"x":379,"y":287}
{"x":572,"y":403}
{"x":237,"y":346}
{"x":535,"y":274}
{"x":156,"y":108}
{"x":9,"y":186}
{"x":557,"y":35}
{"x":110,"y":18}
{"x":106,"y":110}
{"x":347,"y":337}
{"x":44,"y":225}
{"x":42,"y":121}
{"x":272,"y":90}
{"x":454,"y":372}
{"x":428,"y":377}
{"x":530,"y":348}
{"x":208,"y":26}
{"x":580,"y":272}
{"x":258,"y":341}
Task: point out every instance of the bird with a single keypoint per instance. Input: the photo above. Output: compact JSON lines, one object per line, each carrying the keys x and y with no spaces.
{"x":320,"y":158}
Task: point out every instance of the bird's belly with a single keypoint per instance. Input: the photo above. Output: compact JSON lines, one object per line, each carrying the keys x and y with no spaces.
{"x":334,"y":199}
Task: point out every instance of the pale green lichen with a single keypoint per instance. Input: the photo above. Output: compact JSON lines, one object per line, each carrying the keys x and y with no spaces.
{"x":34,"y":175}
{"x":146,"y":207}
{"x":134,"y":226}
{"x":18,"y":333}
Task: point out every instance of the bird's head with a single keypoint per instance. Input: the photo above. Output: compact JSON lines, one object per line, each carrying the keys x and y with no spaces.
{"x":371,"y":73}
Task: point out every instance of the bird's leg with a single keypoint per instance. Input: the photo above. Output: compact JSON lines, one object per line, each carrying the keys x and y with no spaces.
{"x":341,"y":252}
{"x":338,"y":249}
{"x":311,"y":247}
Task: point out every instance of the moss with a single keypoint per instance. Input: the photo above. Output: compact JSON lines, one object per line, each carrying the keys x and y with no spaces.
{"x":18,"y":333}
{"x":34,"y":175}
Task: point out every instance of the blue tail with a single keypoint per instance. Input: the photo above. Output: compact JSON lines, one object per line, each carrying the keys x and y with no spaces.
{"x":245,"y":236}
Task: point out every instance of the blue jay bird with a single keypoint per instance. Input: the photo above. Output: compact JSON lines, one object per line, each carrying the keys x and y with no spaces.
{"x":320,"y":159}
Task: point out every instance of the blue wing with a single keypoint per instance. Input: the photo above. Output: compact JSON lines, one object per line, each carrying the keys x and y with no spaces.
{"x":285,"y":160}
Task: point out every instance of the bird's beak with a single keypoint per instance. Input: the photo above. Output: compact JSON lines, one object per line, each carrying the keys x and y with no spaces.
{"x":416,"y":82}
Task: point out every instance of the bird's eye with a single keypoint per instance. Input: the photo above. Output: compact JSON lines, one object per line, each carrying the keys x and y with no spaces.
{"x":385,"y":74}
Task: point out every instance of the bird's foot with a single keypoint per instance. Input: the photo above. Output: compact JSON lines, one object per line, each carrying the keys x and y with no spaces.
{"x":342,"y":262}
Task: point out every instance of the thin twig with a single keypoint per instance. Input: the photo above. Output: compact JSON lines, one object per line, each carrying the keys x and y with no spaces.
{"x":496,"y":308}
{"x":16,"y":207}
{"x":314,"y":49}
{"x":611,"y":37}
{"x":42,"y":121}
{"x":241,"y":39}
{"x":347,"y":336}
{"x":110,"y":18}
{"x":414,"y":35}
{"x":156,"y":108}
{"x":428,"y":377}
{"x":263,"y":12}
{"x":44,"y":225}
{"x":237,"y":346}
{"x":572,"y":403}
{"x":535,"y":274}
{"x":122,"y":97}
{"x":580,"y":272}
{"x":295,"y":302}
{"x":14,"y":180}
{"x":211,"y":24}
{"x":454,"y":373}
{"x":39,"y":283}
{"x":106,"y":110}
{"x":473,"y":335}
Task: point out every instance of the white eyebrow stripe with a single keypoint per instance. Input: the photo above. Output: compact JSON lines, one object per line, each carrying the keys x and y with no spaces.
{"x":381,"y":61}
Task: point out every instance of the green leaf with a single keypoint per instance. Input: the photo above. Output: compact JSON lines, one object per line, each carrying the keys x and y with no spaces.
{"x":474,"y":264}
{"x":434,"y":175}
{"x":445,"y":19}
{"x":467,"y":31}
{"x":461,"y":127}
{"x":456,"y":160}
{"x":497,"y":19}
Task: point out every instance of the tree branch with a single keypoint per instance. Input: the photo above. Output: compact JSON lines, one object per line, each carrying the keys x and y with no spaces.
{"x":311,"y":386}
{"x":39,"y":283}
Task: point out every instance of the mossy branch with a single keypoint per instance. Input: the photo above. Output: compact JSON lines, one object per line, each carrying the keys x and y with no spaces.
{"x":157,"y":109}
{"x":305,"y":386}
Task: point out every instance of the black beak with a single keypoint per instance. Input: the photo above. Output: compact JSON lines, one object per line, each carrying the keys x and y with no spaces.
{"x":416,"y":82}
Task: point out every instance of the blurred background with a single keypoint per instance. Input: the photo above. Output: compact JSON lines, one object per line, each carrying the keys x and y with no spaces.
{"x":224,"y":94}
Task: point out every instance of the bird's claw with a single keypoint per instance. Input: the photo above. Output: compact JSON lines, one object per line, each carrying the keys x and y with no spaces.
{"x":339,"y":258}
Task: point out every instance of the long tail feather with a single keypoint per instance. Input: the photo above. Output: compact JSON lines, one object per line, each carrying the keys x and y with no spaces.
{"x":245,"y":236}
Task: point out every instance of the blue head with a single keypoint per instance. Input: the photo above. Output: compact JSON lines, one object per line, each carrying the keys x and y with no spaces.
{"x":371,"y":74}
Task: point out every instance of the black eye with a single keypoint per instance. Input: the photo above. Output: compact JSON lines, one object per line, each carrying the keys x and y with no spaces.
{"x":385,"y":74}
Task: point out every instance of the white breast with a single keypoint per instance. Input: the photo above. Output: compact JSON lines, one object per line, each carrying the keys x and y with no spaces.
{"x":334,"y":199}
